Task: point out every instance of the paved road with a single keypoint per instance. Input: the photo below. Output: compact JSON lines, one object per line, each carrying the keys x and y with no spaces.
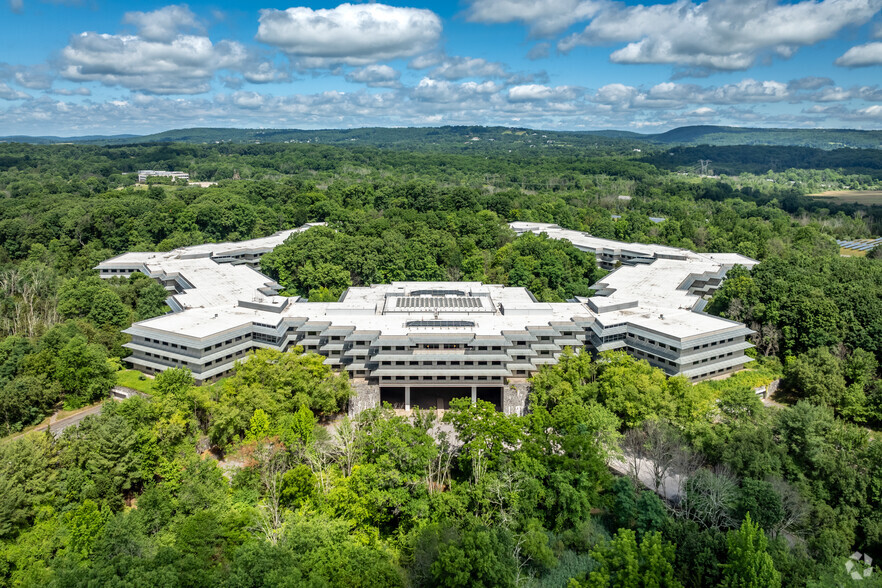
{"x":58,"y":425}
{"x":71,"y":421}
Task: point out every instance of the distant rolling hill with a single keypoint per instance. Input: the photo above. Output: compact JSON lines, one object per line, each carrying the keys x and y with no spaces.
{"x":724,"y":136}
{"x":495,"y":138}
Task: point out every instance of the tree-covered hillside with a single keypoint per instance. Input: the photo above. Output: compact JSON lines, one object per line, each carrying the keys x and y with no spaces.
{"x":258,"y":480}
{"x":817,"y":138}
{"x":457,"y":138}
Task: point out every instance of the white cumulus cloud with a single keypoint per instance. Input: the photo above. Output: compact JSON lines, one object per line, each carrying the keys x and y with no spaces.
{"x":263,"y":72}
{"x":718,"y":34}
{"x":431,"y":90}
{"x":540,"y":92}
{"x":375,"y":76}
{"x":184,"y":65}
{"x":7,"y":93}
{"x":351,"y":34}
{"x":164,"y":24}
{"x":862,"y":56}
{"x":457,"y":68}
{"x":247,"y":99}
{"x":543,"y":17}
{"x":78,"y":91}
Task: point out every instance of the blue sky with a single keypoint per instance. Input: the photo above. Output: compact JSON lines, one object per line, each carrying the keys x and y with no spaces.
{"x":74,"y":67}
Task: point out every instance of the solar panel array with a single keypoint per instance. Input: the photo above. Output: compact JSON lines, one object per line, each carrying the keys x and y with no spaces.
{"x":860,"y":245}
{"x":439,"y":302}
{"x":440,"y":324}
{"x":437,"y":293}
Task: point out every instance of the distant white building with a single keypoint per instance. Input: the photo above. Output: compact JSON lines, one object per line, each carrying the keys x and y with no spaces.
{"x":150,"y":173}
{"x":423,"y":343}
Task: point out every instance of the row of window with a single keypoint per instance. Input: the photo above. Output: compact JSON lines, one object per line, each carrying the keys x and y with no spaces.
{"x":707,"y":359}
{"x":439,"y":378}
{"x":653,"y":342}
{"x":166,"y":344}
{"x":715,"y":372}
{"x":439,"y":346}
{"x":642,"y":354}
{"x":275,"y":341}
{"x":195,"y":366}
{"x":206,"y":349}
{"x":439,"y":363}
{"x":671,"y":347}
{"x":711,"y":344}
{"x":230,"y":356}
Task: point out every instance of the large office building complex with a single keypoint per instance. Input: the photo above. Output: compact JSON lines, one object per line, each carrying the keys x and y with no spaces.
{"x":152,"y":173}
{"x":423,"y":343}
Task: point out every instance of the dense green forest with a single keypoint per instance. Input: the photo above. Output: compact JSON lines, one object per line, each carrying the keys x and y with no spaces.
{"x":258,"y":481}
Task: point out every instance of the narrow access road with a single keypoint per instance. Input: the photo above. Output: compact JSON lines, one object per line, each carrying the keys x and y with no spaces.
{"x":57,"y":425}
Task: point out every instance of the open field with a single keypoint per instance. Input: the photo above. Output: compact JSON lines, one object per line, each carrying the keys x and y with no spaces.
{"x":867,"y":197}
{"x":851,"y":252}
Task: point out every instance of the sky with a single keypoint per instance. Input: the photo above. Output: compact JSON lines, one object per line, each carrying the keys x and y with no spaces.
{"x":81,"y":67}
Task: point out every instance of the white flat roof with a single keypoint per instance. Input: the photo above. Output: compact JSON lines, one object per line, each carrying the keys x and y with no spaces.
{"x":207,"y":250}
{"x":363,"y":308}
{"x":652,"y":293}
{"x":653,"y":290}
{"x":587,"y":241}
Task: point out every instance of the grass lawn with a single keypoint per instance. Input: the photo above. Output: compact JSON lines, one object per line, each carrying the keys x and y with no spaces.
{"x":867,"y":197}
{"x":135,"y":379}
{"x":852,"y":252}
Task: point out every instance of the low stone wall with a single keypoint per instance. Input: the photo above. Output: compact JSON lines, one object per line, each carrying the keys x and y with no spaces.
{"x":769,"y":390}
{"x":366,"y":396}
{"x":514,"y":397}
{"x":124,"y":392}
